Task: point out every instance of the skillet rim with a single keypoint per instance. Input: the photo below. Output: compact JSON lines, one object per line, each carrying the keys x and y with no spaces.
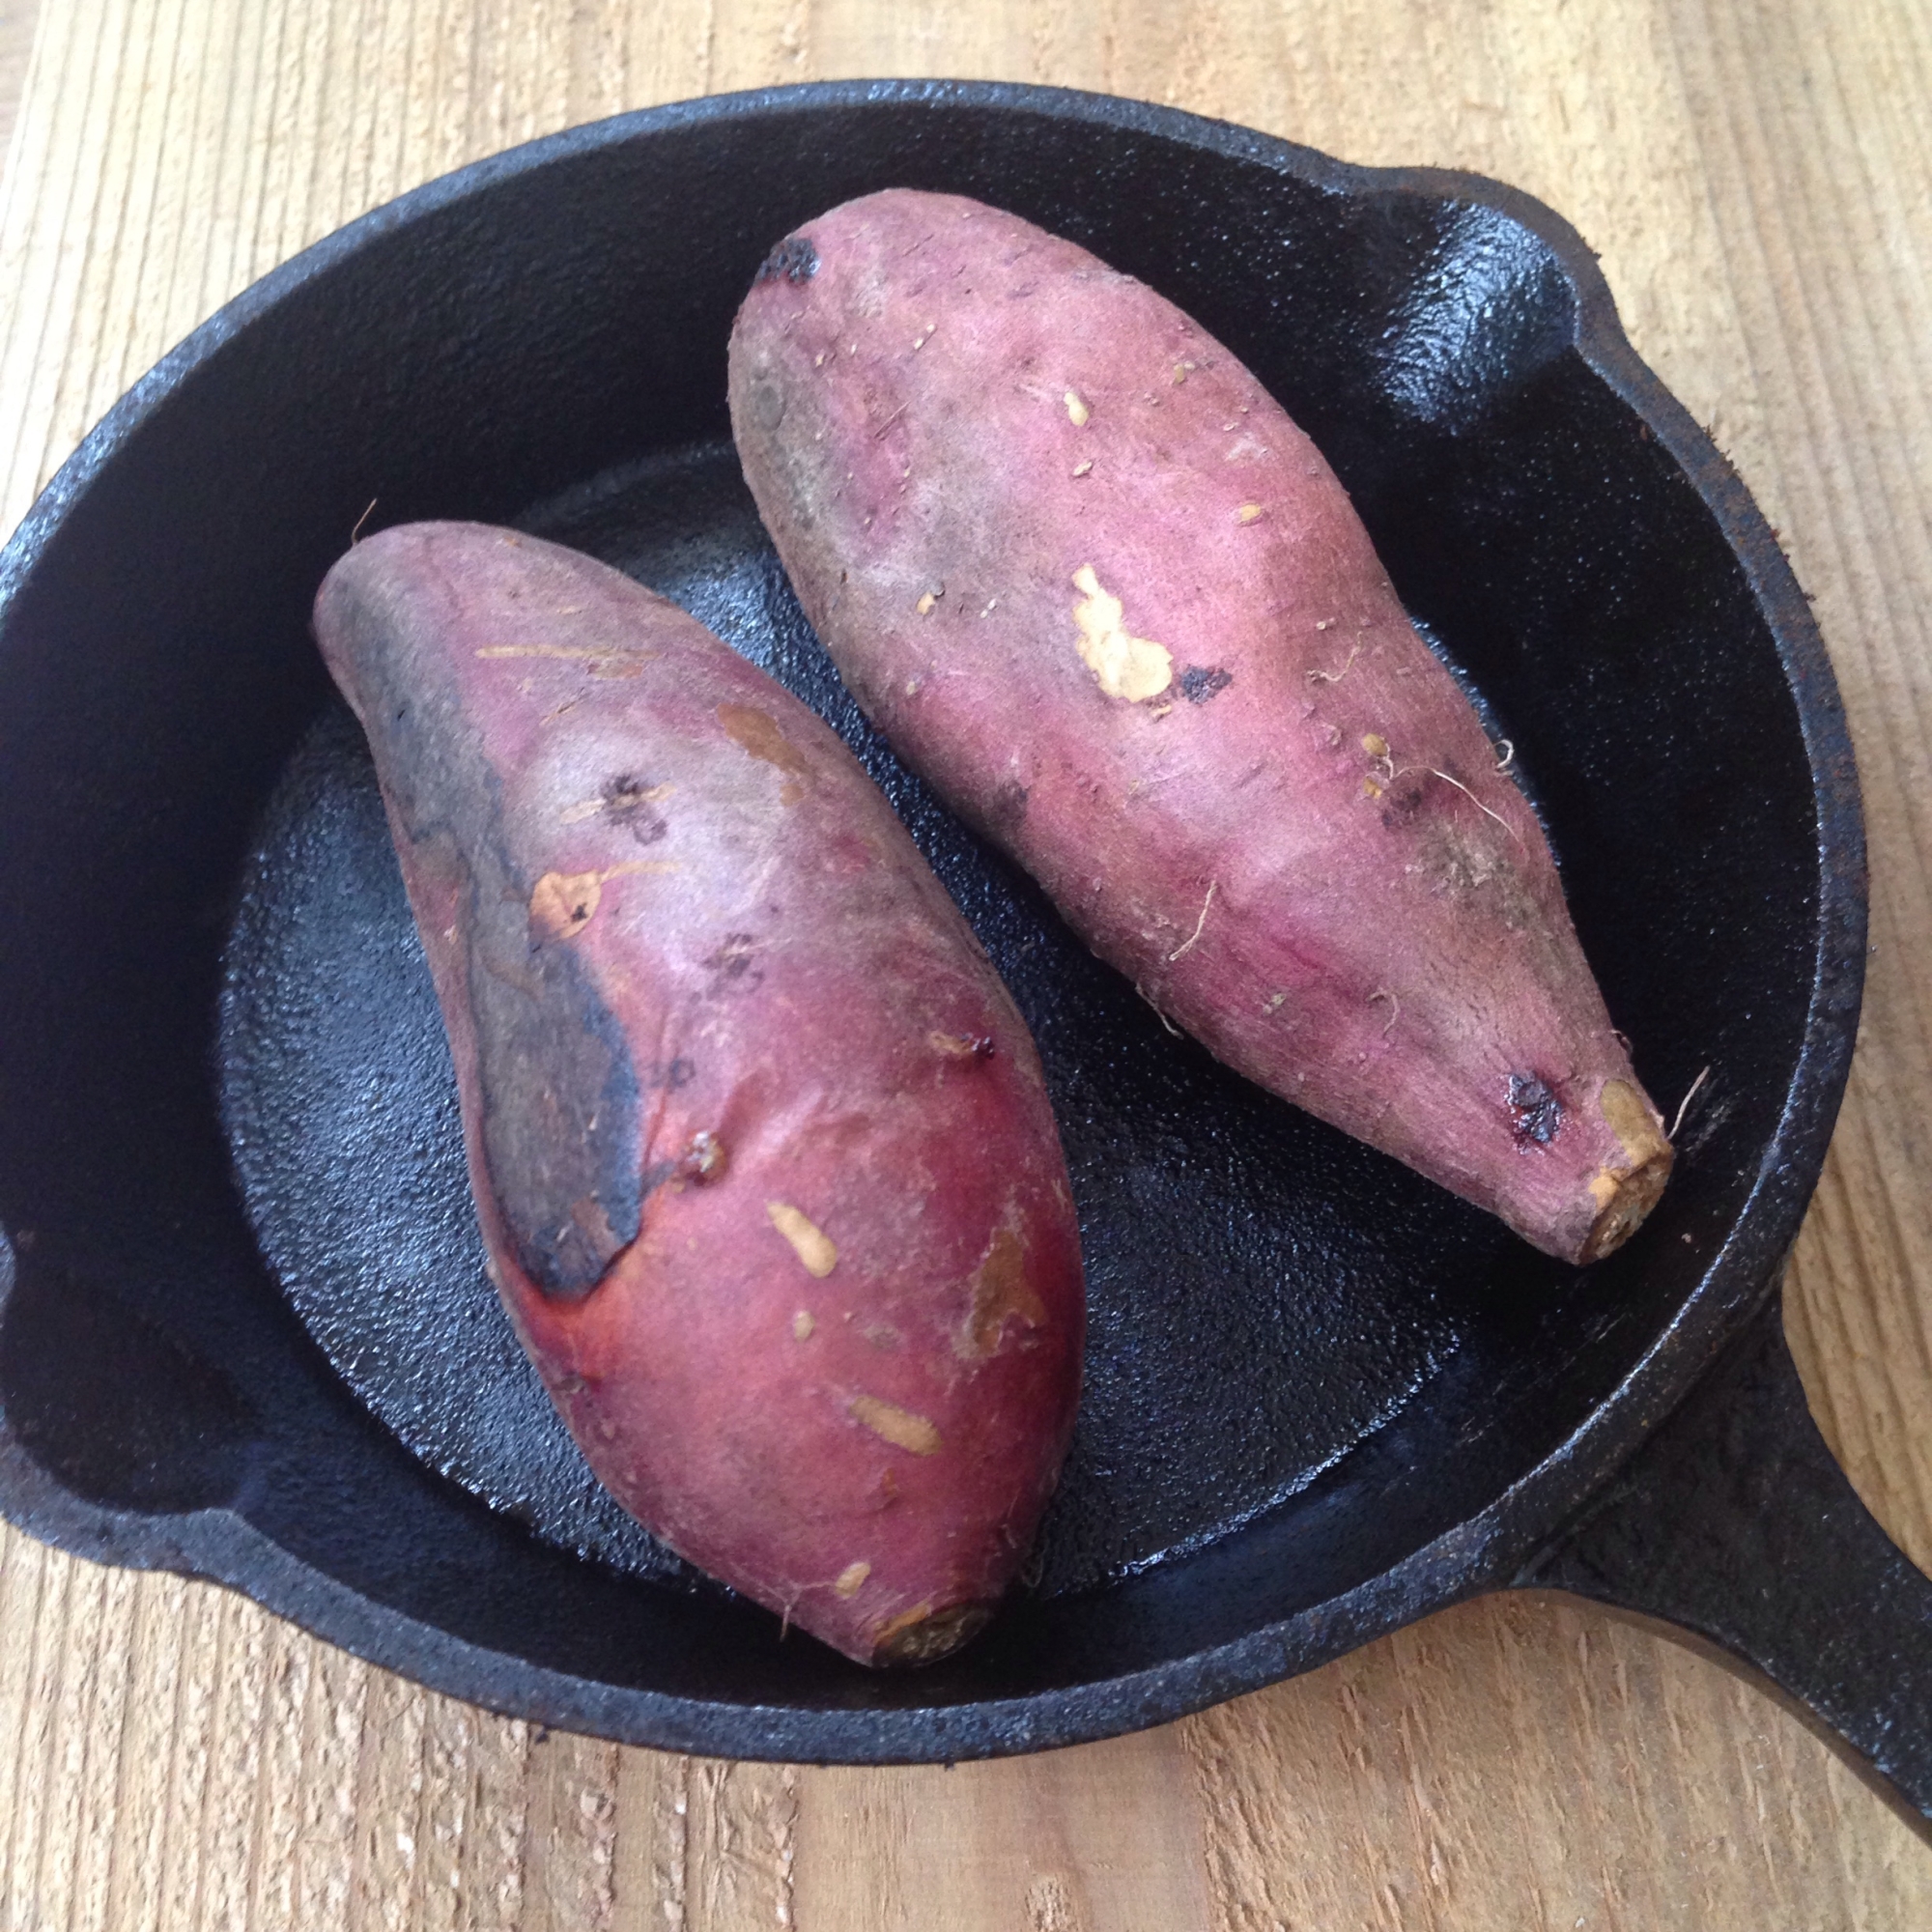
{"x":1488,"y":1549}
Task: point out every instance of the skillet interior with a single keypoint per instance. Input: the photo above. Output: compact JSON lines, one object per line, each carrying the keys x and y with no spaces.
{"x":513,"y":345}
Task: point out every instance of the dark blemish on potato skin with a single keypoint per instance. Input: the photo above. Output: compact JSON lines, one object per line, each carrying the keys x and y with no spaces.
{"x":1399,"y":807}
{"x":556,"y":1094}
{"x":705,"y":1159}
{"x":765,"y":404}
{"x":627,"y":803}
{"x":672,"y":1073}
{"x":1462,"y":862}
{"x":794,"y":260}
{"x":558,"y":1100}
{"x":1008,"y":806}
{"x":1539,"y":1113}
{"x":732,"y":963}
{"x":1199,"y":682}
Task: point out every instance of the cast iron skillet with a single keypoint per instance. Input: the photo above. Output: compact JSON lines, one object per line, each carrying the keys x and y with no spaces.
{"x":1325,"y":1399}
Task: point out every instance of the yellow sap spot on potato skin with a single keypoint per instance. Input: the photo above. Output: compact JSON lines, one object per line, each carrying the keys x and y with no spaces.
{"x":1077,"y":411}
{"x":906,"y":1620}
{"x":1248,"y":513}
{"x":852,"y":1578}
{"x":1123,"y":666}
{"x":899,"y":1427}
{"x":801,"y":1325}
{"x":808,"y":1242}
{"x":1603,"y":1188}
{"x":924,"y":604}
{"x":1000,"y":1288}
{"x":1370,"y":789}
{"x":1085,"y":468}
{"x":564,"y":903}
{"x":1376,"y":745}
{"x":758,"y":733}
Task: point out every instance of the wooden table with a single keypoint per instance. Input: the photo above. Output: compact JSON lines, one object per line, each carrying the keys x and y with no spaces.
{"x":1758,"y":176}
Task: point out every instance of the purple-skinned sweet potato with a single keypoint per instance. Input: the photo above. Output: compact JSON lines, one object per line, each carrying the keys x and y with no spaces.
{"x":1091,"y":579}
{"x":760,"y":1147}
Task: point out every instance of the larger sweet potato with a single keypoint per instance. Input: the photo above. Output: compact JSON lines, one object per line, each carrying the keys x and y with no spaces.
{"x":760,"y":1147}
{"x":1091,"y":579}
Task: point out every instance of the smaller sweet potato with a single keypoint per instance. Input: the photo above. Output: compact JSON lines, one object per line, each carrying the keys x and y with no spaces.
{"x":760,"y":1147}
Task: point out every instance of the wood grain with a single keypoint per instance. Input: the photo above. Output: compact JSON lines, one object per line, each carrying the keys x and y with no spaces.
{"x":16,"y":43}
{"x":1758,"y":179}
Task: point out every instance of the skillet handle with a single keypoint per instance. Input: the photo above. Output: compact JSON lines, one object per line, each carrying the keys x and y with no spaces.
{"x":1733,"y":1521}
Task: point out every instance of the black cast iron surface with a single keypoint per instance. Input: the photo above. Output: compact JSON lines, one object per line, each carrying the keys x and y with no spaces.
{"x":1733,"y":1521}
{"x":1242,"y":1335}
{"x":1326,"y":1399}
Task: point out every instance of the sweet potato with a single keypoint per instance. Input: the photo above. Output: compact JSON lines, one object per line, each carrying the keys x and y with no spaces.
{"x":760,"y":1147}
{"x":1090,"y":578}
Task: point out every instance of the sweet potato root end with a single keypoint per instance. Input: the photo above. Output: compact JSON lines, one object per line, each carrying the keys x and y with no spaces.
{"x":923,"y":1636}
{"x":1628,"y":1199}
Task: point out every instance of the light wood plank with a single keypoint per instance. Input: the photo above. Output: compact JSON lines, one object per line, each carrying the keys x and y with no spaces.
{"x":1759,"y":181}
{"x":17,"y":42}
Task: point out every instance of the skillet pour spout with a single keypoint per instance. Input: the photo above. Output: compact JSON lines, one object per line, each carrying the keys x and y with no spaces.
{"x":1323,"y":1399}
